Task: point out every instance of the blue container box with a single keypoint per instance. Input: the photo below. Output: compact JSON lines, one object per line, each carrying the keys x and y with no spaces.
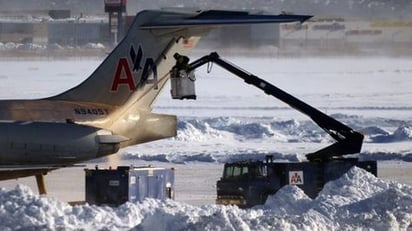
{"x":116,"y":186}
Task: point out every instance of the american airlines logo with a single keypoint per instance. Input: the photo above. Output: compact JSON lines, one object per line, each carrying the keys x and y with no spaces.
{"x":296,"y":177}
{"x":125,"y":75}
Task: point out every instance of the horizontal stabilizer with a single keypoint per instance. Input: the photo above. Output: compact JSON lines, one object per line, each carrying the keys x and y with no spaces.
{"x":217,"y":17}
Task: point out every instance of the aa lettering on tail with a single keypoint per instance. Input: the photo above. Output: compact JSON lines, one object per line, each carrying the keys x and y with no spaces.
{"x":124,"y":75}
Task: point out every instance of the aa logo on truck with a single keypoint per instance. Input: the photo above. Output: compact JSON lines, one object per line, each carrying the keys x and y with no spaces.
{"x":296,"y":177}
{"x":125,"y":75}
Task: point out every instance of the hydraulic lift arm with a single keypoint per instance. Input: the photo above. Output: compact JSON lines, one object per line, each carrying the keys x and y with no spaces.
{"x":348,"y":141}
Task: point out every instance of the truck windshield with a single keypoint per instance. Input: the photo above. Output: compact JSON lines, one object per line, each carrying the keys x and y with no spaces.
{"x":234,"y":171}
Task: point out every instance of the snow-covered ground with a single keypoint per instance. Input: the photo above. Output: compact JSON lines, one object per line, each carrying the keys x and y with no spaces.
{"x":232,"y":121}
{"x":356,"y":201}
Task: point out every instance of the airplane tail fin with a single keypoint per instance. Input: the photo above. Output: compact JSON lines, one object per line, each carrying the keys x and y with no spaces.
{"x":136,"y":70}
{"x":132,"y":67}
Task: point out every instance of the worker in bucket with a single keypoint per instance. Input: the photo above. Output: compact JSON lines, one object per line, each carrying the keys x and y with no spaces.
{"x":182,"y":62}
{"x":182,"y":67}
{"x":182,"y":79}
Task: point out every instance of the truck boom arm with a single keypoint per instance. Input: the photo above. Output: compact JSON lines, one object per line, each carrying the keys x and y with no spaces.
{"x":348,"y":141}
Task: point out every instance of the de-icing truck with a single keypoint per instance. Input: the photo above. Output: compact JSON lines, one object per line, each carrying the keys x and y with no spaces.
{"x":249,"y":183}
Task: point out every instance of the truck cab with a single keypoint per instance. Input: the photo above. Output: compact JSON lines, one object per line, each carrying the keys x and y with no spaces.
{"x":243,"y":181}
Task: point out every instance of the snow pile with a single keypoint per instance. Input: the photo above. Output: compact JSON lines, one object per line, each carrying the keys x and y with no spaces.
{"x":227,"y":139}
{"x":223,"y":139}
{"x":357,"y":200}
{"x":285,"y":131}
{"x":10,"y":46}
{"x":20,"y":46}
{"x":244,"y":129}
{"x":31,"y":46}
{"x":210,"y":156}
{"x":94,"y":46}
{"x":402,"y":133}
{"x":55,"y":46}
{"x":196,"y":130}
{"x":22,"y":209}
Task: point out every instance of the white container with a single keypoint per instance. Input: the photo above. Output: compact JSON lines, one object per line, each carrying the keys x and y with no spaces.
{"x":182,"y":84}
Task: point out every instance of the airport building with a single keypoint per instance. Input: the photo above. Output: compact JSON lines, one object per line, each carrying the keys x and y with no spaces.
{"x":320,"y":34}
{"x":63,"y":31}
